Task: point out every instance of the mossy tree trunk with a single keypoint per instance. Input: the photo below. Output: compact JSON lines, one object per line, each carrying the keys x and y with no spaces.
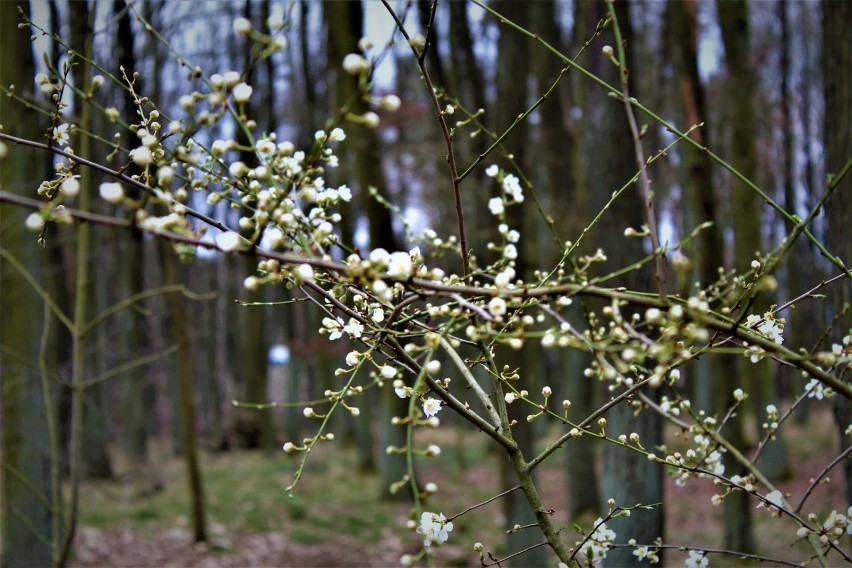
{"x":25,"y":484}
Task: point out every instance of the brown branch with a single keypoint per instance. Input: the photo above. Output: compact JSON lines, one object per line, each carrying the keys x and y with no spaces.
{"x":448,"y":139}
{"x":712,"y":322}
{"x":644,"y":180}
{"x":190,"y":212}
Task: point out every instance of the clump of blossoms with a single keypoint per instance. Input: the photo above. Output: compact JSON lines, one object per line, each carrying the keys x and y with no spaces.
{"x":818,"y":390}
{"x":644,"y":552}
{"x":768,"y":325}
{"x":599,"y":543}
{"x":510,"y":183}
{"x":434,"y":527}
{"x":705,"y":456}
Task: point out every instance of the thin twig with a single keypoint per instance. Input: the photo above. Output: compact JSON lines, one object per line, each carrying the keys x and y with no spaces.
{"x":471,"y":381}
{"x":487,"y":501}
{"x":645,"y":181}
{"x":448,"y":139}
{"x":518,"y":553}
{"x":822,"y":474}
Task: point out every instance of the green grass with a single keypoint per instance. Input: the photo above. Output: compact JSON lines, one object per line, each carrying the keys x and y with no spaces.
{"x":245,"y":493}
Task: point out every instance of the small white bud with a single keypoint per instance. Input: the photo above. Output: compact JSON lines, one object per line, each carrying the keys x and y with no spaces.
{"x":111,"y":192}
{"x":242,"y":26}
{"x":355,"y":64}
{"x":34,"y":222}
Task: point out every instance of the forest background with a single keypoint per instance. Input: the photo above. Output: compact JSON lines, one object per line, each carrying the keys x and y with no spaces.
{"x":171,"y":351}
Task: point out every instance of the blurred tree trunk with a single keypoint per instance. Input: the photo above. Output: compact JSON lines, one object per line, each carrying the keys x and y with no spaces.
{"x":561,"y":170}
{"x":628,"y":477}
{"x":179,"y":326}
{"x":60,"y":265}
{"x":708,"y":251}
{"x":466,"y":74}
{"x":837,"y":132}
{"x":307,"y":119}
{"x":26,"y":497}
{"x":362,"y":163}
{"x":95,"y":458}
{"x":138,"y":393}
{"x":746,"y":213}
{"x":803,"y":317}
{"x":513,"y":71}
{"x":253,"y":341}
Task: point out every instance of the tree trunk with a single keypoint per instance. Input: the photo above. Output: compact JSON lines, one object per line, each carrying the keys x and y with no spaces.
{"x":837,"y":132}
{"x":512,"y":74}
{"x":628,"y":477}
{"x":179,"y":325}
{"x":27,"y":533}
{"x":345,"y":27}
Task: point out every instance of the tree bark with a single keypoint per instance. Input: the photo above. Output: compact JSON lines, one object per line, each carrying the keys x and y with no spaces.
{"x":628,"y":478}
{"x":27,"y":502}
{"x":837,"y":132}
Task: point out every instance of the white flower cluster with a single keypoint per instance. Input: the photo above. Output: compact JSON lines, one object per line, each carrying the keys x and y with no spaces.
{"x":769,"y":326}
{"x":335,"y":328}
{"x":599,"y":543}
{"x":704,"y":456}
{"x":817,"y":390}
{"x":434,"y":528}
{"x":644,"y":552}
{"x":834,"y":526}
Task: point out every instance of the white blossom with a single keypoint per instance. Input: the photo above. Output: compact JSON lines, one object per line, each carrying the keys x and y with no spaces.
{"x":142,"y":156}
{"x":111,"y":192}
{"x":305,"y":272}
{"x":512,"y":186}
{"x":60,"y":134}
{"x":242,"y":93}
{"x":355,"y":64}
{"x":401,"y":390}
{"x":228,"y":241}
{"x":242,"y":26}
{"x":599,"y":543}
{"x":774,"y":501}
{"x":70,"y":187}
{"x":697,"y":559}
{"x":495,"y":205}
{"x":497,"y":306}
{"x":387,"y":372}
{"x":510,"y":252}
{"x":354,"y":328}
{"x":431,"y":406}
{"x":399,"y":265}
{"x":390,"y":103}
{"x":370,"y":119}
{"x":434,"y":528}
{"x":768,"y":326}
{"x":352,"y":358}
{"x":34,"y":222}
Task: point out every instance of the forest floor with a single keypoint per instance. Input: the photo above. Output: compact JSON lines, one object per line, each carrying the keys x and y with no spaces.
{"x":336,"y":519}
